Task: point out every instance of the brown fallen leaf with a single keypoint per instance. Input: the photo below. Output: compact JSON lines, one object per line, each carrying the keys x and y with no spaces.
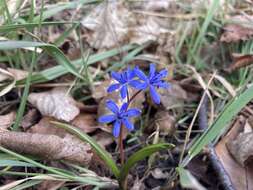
{"x":164,"y":121}
{"x":103,"y":138}
{"x":7,"y":120}
{"x":241,"y":177}
{"x":240,"y":61}
{"x":113,"y":23}
{"x":30,"y":119}
{"x":238,"y":30}
{"x":48,"y":147}
{"x":55,"y":103}
{"x":242,"y":148}
{"x":46,"y":127}
{"x":173,"y":96}
{"x":86,"y":122}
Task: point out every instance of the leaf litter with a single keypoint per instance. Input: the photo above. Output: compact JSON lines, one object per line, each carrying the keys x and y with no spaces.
{"x":112,"y":24}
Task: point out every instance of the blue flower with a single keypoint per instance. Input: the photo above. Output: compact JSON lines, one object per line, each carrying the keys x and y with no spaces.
{"x":124,"y":79}
{"x":119,"y":116}
{"x":152,"y":81}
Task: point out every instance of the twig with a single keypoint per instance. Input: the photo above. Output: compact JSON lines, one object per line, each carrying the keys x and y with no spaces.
{"x":214,"y":159}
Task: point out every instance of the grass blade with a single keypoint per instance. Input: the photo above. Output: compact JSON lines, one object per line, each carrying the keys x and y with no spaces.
{"x":188,"y":181}
{"x":49,"y":48}
{"x":59,"y":70}
{"x":140,"y":155}
{"x":231,"y":110}
{"x":105,"y":156}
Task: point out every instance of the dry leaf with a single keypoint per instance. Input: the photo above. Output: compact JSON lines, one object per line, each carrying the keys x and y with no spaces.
{"x":165,"y":122}
{"x":240,"y":61}
{"x":30,"y":119}
{"x":242,"y":148}
{"x":49,"y":147}
{"x":240,"y":177}
{"x":85,"y":122}
{"x":103,"y":138}
{"x":7,"y":120}
{"x":113,"y":23}
{"x":173,"y":96}
{"x":241,"y":29}
{"x":55,"y":103}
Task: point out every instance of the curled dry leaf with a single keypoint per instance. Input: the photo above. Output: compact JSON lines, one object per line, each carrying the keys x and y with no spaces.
{"x":85,"y":122}
{"x":30,"y":119}
{"x":241,"y":177}
{"x":113,"y":23}
{"x":240,"y":61}
{"x":7,"y":120}
{"x":49,"y":147}
{"x":240,"y":29}
{"x":103,"y":138}
{"x":242,"y":148}
{"x":164,"y":121}
{"x":55,"y":103}
{"x":173,"y":96}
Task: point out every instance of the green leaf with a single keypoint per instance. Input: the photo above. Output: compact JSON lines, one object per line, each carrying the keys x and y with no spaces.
{"x":187,"y":180}
{"x":53,"y":10}
{"x":102,"y":153}
{"x":12,"y":27}
{"x":5,"y":162}
{"x":59,"y":70}
{"x":49,"y":48}
{"x":229,"y":112}
{"x":140,"y":155}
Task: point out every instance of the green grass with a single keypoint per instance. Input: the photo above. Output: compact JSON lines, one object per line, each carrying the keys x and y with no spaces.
{"x":32,"y":20}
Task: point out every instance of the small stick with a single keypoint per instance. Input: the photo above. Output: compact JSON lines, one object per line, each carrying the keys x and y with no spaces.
{"x":214,"y":159}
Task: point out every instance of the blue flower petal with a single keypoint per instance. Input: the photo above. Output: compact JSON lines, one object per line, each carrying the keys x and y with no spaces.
{"x":128,"y":124}
{"x":111,"y":105}
{"x":123,"y":91}
{"x":151,"y":71}
{"x":136,"y":84}
{"x":161,"y":84}
{"x":106,"y":118}
{"x":163,"y":73}
{"x":116,"y":128}
{"x":130,"y":73}
{"x":113,"y":87}
{"x":140,"y":74}
{"x":133,"y":112}
{"x":116,"y":76}
{"x":154,"y":95}
{"x":123,"y":108}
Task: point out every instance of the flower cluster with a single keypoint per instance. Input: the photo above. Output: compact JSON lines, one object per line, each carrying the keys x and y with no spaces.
{"x":137,"y":79}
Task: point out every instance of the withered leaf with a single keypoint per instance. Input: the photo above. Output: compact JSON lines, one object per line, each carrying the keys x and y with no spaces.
{"x":164,"y":121}
{"x":238,"y":31}
{"x":85,"y":122}
{"x":241,"y":177}
{"x":113,"y":23}
{"x":48,"y":147}
{"x":55,"y":103}
{"x":7,"y":120}
{"x":240,"y":61}
{"x":242,"y":148}
{"x":173,"y":96}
